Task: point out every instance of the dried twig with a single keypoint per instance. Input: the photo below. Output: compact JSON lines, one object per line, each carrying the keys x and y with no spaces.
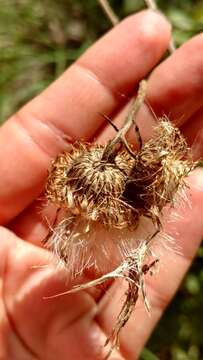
{"x":130,"y":120}
{"x":151,"y":4}
{"x":109,"y":12}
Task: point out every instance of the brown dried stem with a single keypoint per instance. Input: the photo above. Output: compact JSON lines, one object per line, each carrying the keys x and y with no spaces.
{"x":109,"y":12}
{"x":135,"y":278}
{"x":130,"y":120}
{"x":151,"y":4}
{"x":125,"y":313}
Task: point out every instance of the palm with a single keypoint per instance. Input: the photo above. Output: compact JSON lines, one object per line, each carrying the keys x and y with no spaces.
{"x":66,"y":327}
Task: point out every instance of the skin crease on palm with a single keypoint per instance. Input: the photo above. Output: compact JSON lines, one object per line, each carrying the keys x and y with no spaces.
{"x":75,"y":326}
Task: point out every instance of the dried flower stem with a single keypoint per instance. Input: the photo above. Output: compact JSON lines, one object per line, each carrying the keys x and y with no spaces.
{"x":130,"y":120}
{"x":151,"y":4}
{"x":109,"y":12}
{"x":135,"y":280}
{"x":125,"y":313}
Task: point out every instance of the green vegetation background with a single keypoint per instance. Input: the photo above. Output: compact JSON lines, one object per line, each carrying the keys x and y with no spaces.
{"x":38,"y":40}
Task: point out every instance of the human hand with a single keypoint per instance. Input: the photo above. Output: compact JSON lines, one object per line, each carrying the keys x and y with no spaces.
{"x":75,"y":326}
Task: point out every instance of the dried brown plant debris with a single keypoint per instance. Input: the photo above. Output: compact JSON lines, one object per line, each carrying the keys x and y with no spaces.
{"x":100,"y":192}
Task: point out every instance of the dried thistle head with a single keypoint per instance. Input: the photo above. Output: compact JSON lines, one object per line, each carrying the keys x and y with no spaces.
{"x":87,"y":186}
{"x":159,"y":171}
{"x":90,"y":186}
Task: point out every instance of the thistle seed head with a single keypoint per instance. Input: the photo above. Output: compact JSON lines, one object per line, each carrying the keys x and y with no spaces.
{"x":159,"y":171}
{"x":89,"y":186}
